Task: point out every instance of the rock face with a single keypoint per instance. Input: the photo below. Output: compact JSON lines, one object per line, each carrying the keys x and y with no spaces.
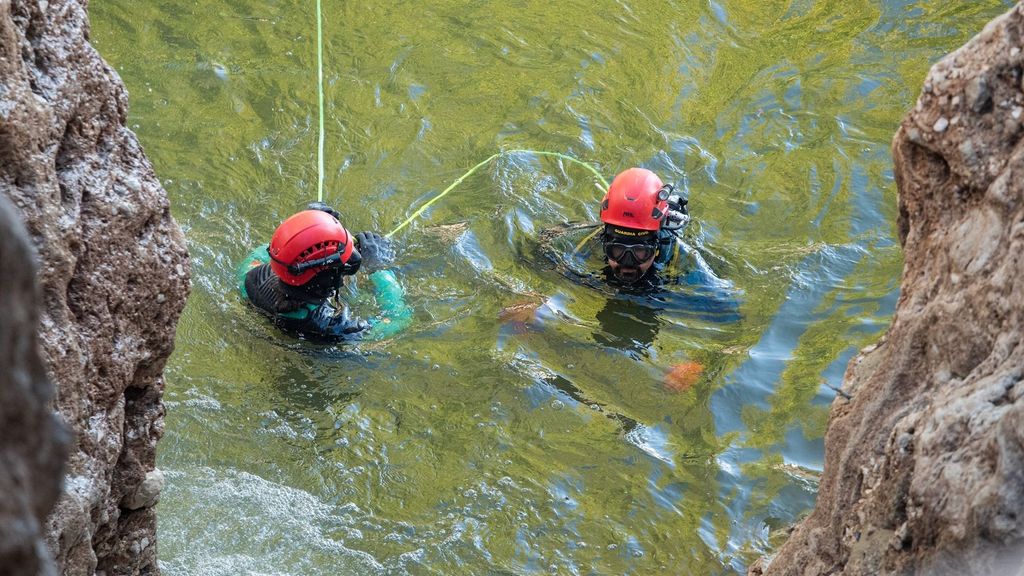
{"x":924,"y":466}
{"x":33,"y":442}
{"x":113,"y":273}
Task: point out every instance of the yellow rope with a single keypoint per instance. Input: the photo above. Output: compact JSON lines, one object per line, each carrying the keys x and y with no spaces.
{"x":472,"y":170}
{"x":320,"y":97}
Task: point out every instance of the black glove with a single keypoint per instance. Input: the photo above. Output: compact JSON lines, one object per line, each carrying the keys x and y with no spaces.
{"x":323,"y":208}
{"x":327,"y":322}
{"x":376,"y":251}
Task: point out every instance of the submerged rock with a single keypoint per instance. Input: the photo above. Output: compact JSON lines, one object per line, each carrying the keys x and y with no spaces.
{"x":113,"y":273}
{"x":924,"y":463}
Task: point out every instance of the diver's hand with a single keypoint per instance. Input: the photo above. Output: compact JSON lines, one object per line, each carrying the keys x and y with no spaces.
{"x":376,"y":251}
{"x":323,"y":208}
{"x":327,"y":321}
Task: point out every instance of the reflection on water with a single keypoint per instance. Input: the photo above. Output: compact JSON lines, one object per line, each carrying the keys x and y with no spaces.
{"x":533,"y":419}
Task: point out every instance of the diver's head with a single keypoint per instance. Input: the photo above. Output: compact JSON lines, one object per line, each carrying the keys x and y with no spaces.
{"x":633,"y":211}
{"x":311,"y":250}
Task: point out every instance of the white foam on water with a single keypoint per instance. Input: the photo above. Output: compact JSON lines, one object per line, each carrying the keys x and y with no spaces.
{"x":654,"y":442}
{"x":240,"y":523}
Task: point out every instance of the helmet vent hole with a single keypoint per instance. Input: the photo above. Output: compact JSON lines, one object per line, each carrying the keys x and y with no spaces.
{"x":324,"y":248}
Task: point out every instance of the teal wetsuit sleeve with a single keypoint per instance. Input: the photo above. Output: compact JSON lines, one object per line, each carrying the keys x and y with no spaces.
{"x":395,"y":315}
{"x":256,"y":257}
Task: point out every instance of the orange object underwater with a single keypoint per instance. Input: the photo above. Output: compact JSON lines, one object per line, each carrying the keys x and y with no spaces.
{"x":683,"y":376}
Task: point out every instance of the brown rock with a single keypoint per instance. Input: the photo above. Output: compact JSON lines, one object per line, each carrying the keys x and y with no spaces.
{"x":924,"y":466}
{"x":113,"y":272}
{"x":33,"y":442}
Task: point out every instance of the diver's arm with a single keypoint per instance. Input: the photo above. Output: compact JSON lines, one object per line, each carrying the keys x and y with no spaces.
{"x":325,"y":321}
{"x":395,"y":315}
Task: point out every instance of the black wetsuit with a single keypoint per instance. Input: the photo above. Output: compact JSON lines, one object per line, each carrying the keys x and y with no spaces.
{"x":302,"y":311}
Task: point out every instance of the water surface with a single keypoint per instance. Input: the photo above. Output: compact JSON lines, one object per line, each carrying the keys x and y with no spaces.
{"x":523,"y":424}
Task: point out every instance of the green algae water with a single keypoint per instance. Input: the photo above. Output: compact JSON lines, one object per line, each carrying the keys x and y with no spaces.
{"x":522,"y":424}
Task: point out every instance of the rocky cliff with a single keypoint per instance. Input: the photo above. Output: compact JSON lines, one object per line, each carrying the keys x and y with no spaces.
{"x":924,"y":465}
{"x":33,"y":442}
{"x":113,"y":274}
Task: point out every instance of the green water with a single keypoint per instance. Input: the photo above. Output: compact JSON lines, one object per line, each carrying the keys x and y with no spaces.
{"x":482,"y":442}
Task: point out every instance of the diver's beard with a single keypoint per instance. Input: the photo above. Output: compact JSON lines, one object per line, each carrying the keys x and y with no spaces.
{"x":628,"y":275}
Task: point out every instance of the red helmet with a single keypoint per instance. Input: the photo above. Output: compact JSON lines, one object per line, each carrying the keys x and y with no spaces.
{"x":637,"y":199}
{"x":309,"y":236}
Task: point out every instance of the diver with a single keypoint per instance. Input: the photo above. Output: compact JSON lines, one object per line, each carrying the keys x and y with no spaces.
{"x":292,"y":279}
{"x":645,"y":262}
{"x":640,"y":241}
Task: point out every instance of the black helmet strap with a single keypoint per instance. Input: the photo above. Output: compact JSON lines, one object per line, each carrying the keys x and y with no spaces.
{"x":331,"y":261}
